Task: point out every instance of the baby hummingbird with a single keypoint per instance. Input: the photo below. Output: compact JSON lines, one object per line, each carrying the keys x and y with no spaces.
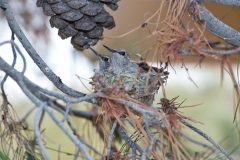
{"x":140,"y":80}
{"x":103,"y":60}
{"x":121,"y":61}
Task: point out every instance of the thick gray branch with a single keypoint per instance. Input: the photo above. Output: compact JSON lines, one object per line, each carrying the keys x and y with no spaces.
{"x":128,"y":140}
{"x":39,"y":103}
{"x":34,"y":55}
{"x":217,"y":27}
{"x":206,"y":137}
{"x":228,"y":2}
{"x":110,"y":139}
{"x":36,"y":90}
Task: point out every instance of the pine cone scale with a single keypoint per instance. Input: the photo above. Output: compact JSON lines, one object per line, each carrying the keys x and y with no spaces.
{"x":110,"y":23}
{"x":53,"y":1}
{"x":85,"y":24}
{"x":96,"y":32}
{"x":60,"y":8}
{"x":47,"y":10}
{"x":57,"y":22}
{"x":77,"y":4}
{"x":102,"y":17}
{"x":67,"y":32}
{"x":92,"y":9}
{"x":106,"y":1}
{"x":80,"y":39}
{"x":72,"y":15}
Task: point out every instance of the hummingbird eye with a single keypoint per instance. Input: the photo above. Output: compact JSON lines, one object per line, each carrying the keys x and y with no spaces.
{"x":105,"y":59}
{"x":122,"y":53}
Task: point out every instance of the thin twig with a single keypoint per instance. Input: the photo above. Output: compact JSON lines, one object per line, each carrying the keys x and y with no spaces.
{"x":222,"y":52}
{"x":41,"y":119}
{"x":110,"y":139}
{"x":5,"y":100}
{"x":5,"y":77}
{"x":26,"y":115}
{"x":66,"y":111}
{"x":149,"y":133}
{"x":76,"y":112}
{"x":198,"y":131}
{"x":15,"y":46}
{"x":72,"y":137}
{"x":38,"y":133}
{"x":128,"y":140}
{"x":72,"y":127}
{"x":76,"y":155}
{"x":202,"y":144}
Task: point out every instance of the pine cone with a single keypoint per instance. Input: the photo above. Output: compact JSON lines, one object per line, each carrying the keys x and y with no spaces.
{"x":83,"y":20}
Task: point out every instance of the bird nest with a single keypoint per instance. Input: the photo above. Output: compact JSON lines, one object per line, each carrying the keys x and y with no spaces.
{"x":135,"y":88}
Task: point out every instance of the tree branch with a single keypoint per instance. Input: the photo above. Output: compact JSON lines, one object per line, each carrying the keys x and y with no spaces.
{"x":110,"y":139}
{"x":65,"y":130}
{"x":201,"y":144}
{"x":34,"y":55}
{"x":73,"y":128}
{"x":18,"y":77}
{"x":128,"y":140}
{"x":213,"y":24}
{"x":38,"y":133}
{"x":228,"y":2}
{"x":198,"y":131}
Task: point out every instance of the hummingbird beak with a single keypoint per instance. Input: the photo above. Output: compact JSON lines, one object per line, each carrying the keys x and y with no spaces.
{"x":109,"y":49}
{"x":95,"y":52}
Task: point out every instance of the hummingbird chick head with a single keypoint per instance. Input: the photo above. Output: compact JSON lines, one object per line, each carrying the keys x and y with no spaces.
{"x":103,"y":60}
{"x":120,"y":59}
{"x":104,"y":63}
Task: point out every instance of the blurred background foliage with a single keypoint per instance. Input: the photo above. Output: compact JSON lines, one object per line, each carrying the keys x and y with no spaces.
{"x":216,"y":95}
